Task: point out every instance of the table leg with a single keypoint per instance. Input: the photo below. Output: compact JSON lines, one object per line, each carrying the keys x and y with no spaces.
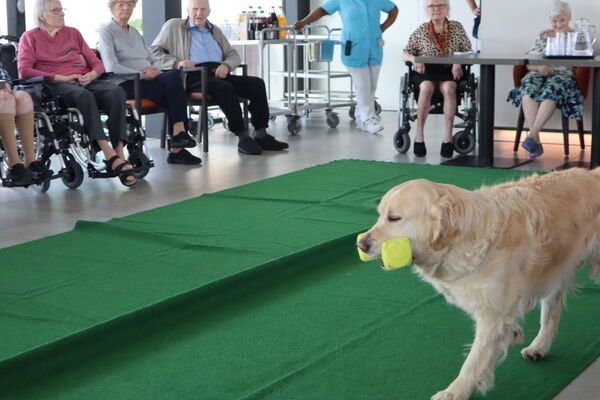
{"x":596,"y":119}
{"x":486,"y":115}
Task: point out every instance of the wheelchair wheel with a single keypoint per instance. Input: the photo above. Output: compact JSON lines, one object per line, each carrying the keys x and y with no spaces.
{"x":352,"y":111}
{"x":464,"y":141}
{"x":402,"y":141}
{"x":74,"y":176}
{"x":45,"y":184}
{"x":294,"y":124}
{"x":139,"y":160}
{"x":333,"y":119}
{"x":377,"y":108}
{"x":225,"y":124}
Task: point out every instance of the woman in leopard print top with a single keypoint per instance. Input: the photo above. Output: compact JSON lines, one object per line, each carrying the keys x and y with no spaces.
{"x":438,"y":37}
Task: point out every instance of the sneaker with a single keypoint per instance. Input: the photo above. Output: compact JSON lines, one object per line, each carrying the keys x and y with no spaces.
{"x":17,"y":175}
{"x":268,"y":142}
{"x":534,"y":149}
{"x":181,"y":140}
{"x":38,"y":171}
{"x":371,"y":125}
{"x":247,"y":145}
{"x":419,"y":149}
{"x":447,"y":150}
{"x":183,"y":157}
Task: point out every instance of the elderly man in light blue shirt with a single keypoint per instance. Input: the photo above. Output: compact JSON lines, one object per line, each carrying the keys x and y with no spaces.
{"x":362,"y":49}
{"x":194,"y":41}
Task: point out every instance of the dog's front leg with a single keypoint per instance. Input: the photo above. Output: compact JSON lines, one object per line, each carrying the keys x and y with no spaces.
{"x":549,"y":319}
{"x":492,"y":338}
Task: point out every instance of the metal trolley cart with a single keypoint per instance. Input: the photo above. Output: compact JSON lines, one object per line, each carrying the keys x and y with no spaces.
{"x":305,"y":98}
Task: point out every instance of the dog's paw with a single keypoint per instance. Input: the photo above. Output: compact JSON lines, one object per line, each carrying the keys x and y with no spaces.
{"x":532,"y":354}
{"x":447,"y":395}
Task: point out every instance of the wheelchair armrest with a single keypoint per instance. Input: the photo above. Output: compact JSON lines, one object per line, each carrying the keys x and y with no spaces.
{"x":9,"y":38}
{"x":131,"y":75}
{"x":31,"y":81}
{"x":195,"y":69}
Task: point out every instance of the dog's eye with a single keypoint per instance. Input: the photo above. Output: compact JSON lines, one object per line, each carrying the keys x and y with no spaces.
{"x":392,"y":218}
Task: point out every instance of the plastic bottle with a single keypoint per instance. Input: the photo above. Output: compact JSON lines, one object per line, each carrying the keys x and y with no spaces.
{"x":242,"y":29}
{"x":274,"y":23}
{"x":250,"y":23}
{"x":282,"y":22}
{"x":261,"y":22}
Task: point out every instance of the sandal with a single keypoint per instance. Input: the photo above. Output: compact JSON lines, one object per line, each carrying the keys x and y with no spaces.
{"x":118,"y":171}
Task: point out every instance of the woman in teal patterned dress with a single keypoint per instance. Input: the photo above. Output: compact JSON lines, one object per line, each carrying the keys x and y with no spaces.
{"x":545,"y":88}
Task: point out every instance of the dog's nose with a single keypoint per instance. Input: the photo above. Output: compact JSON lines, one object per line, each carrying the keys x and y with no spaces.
{"x":363,"y":245}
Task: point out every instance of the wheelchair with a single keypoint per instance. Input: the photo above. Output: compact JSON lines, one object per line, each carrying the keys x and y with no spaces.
{"x":59,"y":130}
{"x":52,"y":126}
{"x":466,"y":109}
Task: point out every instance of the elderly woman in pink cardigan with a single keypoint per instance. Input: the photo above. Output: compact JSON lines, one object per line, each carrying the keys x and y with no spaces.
{"x":58,"y":51}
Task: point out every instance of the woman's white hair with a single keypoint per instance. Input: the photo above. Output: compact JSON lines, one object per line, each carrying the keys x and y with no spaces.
{"x":427,"y":2}
{"x":112,"y":3}
{"x":559,"y":7}
{"x":41,"y":8}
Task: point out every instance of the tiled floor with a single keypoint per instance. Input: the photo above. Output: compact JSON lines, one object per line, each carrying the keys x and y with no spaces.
{"x":27,"y":214}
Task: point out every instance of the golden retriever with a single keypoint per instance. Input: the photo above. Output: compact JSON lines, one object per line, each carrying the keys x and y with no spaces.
{"x":496,"y":252}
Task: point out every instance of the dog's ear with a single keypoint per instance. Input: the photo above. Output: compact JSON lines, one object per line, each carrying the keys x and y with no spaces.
{"x":444,"y":215}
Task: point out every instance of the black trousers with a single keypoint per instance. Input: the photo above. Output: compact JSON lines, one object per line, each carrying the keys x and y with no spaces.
{"x":167,"y":91}
{"x":225,"y":93}
{"x":89,"y":99}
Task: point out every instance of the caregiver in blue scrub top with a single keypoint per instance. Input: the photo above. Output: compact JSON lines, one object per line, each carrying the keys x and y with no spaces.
{"x":362,"y":49}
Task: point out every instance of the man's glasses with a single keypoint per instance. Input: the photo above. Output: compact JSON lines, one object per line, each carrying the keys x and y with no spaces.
{"x":58,"y":10}
{"x":438,"y":6}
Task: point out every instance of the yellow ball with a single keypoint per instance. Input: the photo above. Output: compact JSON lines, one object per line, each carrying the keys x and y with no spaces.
{"x":396,"y":253}
{"x":361,"y":254}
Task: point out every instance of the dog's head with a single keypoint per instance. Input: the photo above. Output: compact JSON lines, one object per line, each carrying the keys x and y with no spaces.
{"x":425,"y":212}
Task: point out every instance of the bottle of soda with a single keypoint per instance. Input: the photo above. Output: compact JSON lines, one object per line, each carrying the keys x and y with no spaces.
{"x":281,"y":22}
{"x":274,"y":22}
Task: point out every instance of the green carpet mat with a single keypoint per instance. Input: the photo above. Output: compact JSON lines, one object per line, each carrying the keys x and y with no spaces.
{"x":253,"y":293}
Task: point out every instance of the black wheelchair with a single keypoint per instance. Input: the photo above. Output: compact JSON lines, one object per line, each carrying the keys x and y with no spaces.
{"x":52,"y":126}
{"x":59,"y":130}
{"x":466,"y":109}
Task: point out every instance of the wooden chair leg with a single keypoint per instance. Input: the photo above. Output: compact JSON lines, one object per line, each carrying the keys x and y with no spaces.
{"x":580,"y":130}
{"x":520,"y":123}
{"x":565,"y":129}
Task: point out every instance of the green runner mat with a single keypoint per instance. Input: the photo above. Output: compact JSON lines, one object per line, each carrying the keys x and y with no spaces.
{"x":253,"y":292}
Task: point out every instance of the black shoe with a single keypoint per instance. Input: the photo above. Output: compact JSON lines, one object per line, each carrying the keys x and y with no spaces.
{"x":181,"y":140}
{"x":38,"y":171}
{"x":447,"y":150}
{"x":419,"y":149}
{"x":17,"y":175}
{"x":268,"y":142}
{"x":247,"y":145}
{"x":183,"y":157}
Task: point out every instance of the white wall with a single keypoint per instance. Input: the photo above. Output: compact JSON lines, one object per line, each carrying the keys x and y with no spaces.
{"x":87,"y":16}
{"x":509,"y":27}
